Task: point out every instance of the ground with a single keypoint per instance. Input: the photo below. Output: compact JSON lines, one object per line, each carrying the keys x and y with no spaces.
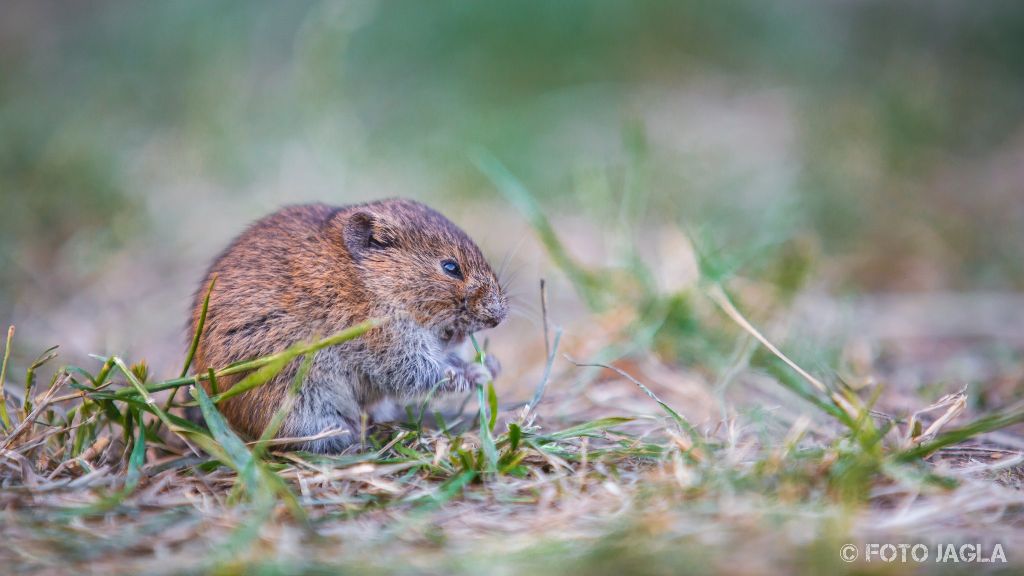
{"x":638,"y":465}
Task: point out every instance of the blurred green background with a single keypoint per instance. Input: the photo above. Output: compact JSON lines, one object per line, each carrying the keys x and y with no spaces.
{"x":886,"y":138}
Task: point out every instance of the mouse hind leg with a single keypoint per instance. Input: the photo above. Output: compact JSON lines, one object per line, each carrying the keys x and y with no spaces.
{"x":388,"y":410}
{"x":326,"y":412}
{"x":326,"y":422}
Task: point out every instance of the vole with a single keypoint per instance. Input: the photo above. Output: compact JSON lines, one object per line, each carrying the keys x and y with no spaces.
{"x":310,"y":271}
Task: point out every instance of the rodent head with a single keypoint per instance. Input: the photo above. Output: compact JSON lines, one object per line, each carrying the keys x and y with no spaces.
{"x":414,"y":261}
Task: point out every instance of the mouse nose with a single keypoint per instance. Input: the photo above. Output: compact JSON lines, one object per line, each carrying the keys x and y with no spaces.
{"x":493,"y":311}
{"x":491,"y":321}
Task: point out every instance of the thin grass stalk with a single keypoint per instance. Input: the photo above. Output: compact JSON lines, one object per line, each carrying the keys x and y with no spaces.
{"x":3,"y":380}
{"x":683,"y":423}
{"x":487,"y":403}
{"x":30,"y":377}
{"x":250,"y":365}
{"x":278,"y":419}
{"x":542,"y":386}
{"x":957,"y":435}
{"x":151,"y":402}
{"x":722,"y":300}
{"x":59,"y":380}
{"x":195,"y":341}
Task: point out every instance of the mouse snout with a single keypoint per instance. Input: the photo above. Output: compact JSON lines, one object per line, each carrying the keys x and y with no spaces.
{"x":494,"y":315}
{"x":491,"y":306}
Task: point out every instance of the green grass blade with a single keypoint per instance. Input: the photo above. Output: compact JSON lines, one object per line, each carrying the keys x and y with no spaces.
{"x":271,"y":365}
{"x":199,"y":329}
{"x":514,"y":434}
{"x":492,"y":406}
{"x":256,"y":379}
{"x":488,"y":402}
{"x":447,"y":491}
{"x":149,"y":404}
{"x":135,"y":461}
{"x":3,"y":380}
{"x":586,"y":428}
{"x":278,"y":419}
{"x":195,"y":341}
{"x":238,"y":454}
{"x":101,"y":378}
{"x":982,"y":425}
{"x":212,"y":379}
{"x":542,"y":386}
{"x":683,"y":423}
{"x":30,"y":377}
{"x":486,"y":439}
{"x":250,"y":365}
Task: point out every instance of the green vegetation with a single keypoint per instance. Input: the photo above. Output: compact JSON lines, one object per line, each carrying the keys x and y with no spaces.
{"x":413,"y":470}
{"x":780,"y":245}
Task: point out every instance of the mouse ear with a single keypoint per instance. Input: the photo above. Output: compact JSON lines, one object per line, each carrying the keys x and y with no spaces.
{"x":358,"y":234}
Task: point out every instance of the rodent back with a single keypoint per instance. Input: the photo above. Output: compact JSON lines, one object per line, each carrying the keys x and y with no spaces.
{"x":278,"y":282}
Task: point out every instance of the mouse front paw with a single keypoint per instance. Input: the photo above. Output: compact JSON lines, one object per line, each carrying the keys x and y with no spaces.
{"x":462,"y":376}
{"x":478,"y":374}
{"x":493,"y":366}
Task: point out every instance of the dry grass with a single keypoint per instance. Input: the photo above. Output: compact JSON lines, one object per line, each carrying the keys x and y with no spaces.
{"x":619,"y":461}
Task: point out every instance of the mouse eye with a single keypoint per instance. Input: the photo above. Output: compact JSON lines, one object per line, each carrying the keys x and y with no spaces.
{"x":451,"y":268}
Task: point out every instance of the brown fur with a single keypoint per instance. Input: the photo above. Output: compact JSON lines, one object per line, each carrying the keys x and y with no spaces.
{"x":312,"y":270}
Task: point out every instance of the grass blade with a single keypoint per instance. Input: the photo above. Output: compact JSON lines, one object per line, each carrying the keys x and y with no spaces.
{"x":486,"y":438}
{"x":195,"y":341}
{"x":199,"y":329}
{"x":586,"y":428}
{"x":271,"y":365}
{"x":722,"y":300}
{"x":278,"y":419}
{"x":3,"y":380}
{"x":150,"y":405}
{"x":492,"y":406}
{"x":542,"y":386}
{"x":238,"y":454}
{"x":30,"y":376}
{"x":980,"y":426}
{"x":683,"y":423}
{"x":488,"y":402}
{"x":136,"y":460}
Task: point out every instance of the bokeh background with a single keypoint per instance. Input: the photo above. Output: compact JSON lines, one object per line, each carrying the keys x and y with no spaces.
{"x":866,"y":147}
